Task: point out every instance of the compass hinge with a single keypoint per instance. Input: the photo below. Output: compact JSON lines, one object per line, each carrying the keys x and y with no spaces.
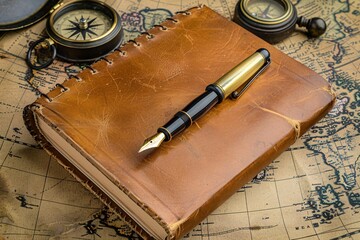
{"x":55,"y":7}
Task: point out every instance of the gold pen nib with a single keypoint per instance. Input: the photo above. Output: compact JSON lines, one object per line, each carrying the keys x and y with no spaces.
{"x":152,"y":142}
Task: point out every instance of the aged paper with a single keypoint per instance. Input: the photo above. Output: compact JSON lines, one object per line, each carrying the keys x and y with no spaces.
{"x":310,"y":192}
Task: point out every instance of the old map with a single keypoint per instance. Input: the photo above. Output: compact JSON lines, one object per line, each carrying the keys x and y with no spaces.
{"x":312,"y":191}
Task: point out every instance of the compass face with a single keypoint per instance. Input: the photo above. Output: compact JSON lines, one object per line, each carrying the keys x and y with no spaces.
{"x":266,"y":10}
{"x":271,"y":20}
{"x":84,"y":30}
{"x":82,"y":25}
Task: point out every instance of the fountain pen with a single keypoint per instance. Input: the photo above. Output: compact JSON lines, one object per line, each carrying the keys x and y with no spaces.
{"x":233,"y":84}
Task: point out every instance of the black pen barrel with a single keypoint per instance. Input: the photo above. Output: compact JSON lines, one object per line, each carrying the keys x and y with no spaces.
{"x":232,"y":84}
{"x":193,"y":111}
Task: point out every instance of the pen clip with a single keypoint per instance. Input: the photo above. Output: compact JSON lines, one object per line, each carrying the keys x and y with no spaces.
{"x":238,"y":92}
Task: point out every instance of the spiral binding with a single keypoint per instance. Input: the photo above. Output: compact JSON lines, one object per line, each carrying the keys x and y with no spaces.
{"x":103,"y":59}
{"x":46,"y":96}
{"x":135,"y":43}
{"x":122,"y":52}
{"x":172,"y":19}
{"x":78,"y":79}
{"x":93,"y":70}
{"x":163,"y":28}
{"x":183,"y":12}
{"x":64,"y":89}
{"x":149,"y":36}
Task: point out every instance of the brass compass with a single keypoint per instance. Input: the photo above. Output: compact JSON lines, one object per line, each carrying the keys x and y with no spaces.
{"x":274,"y":20}
{"x":79,"y":31}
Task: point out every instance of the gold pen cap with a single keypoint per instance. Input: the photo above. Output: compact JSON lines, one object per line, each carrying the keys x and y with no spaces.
{"x":238,"y":79}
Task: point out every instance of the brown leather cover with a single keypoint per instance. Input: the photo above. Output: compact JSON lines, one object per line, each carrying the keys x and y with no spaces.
{"x":108,"y":113}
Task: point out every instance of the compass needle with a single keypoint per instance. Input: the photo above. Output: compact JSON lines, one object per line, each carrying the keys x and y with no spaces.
{"x":92,"y":20}
{"x":83,"y":34}
{"x":267,"y":9}
{"x":89,"y":31}
{"x":70,"y":29}
{"x":76,"y":31}
{"x":96,"y":25}
{"x":74,"y":23}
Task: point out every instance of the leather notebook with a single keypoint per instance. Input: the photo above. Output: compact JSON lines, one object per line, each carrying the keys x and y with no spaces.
{"x":95,"y":123}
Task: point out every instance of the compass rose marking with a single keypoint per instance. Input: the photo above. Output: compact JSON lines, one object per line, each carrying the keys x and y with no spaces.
{"x":83,"y":26}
